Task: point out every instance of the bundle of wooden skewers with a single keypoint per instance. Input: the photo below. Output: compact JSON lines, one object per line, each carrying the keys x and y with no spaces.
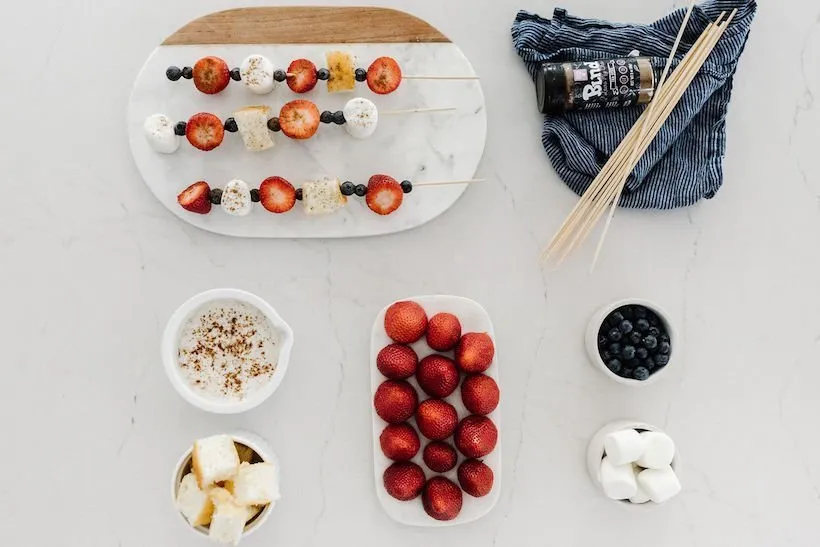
{"x":605,"y":191}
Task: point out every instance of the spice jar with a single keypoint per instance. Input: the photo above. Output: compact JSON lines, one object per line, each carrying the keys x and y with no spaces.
{"x":590,"y":85}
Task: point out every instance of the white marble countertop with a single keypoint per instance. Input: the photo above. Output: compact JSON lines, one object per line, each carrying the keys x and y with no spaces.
{"x":93,"y":265}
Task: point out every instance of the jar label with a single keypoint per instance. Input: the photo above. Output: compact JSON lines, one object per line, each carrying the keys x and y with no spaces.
{"x":605,"y":84}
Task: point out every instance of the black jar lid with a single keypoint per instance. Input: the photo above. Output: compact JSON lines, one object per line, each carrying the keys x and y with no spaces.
{"x":551,"y":88}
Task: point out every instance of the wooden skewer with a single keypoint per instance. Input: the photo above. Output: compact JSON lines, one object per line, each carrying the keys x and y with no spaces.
{"x":417,"y":110}
{"x":431,"y":77}
{"x":447,"y":182}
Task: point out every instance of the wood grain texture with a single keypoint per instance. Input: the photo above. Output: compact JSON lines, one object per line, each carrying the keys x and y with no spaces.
{"x":306,"y":25}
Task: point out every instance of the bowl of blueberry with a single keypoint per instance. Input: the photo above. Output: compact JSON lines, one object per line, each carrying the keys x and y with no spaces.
{"x":631,"y":341}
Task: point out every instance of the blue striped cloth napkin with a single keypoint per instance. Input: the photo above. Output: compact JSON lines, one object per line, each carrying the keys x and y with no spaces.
{"x":685,"y":162}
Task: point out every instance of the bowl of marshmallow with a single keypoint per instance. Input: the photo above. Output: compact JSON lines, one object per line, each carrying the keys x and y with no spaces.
{"x":634,"y":463}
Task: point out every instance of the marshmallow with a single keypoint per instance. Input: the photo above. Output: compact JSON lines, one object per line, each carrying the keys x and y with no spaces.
{"x":257,"y":74}
{"x":361,"y":118}
{"x":618,"y":481}
{"x":236,"y":200}
{"x":659,"y":484}
{"x":658,"y":452}
{"x":624,"y":446}
{"x":159,"y":131}
{"x":641,"y":496}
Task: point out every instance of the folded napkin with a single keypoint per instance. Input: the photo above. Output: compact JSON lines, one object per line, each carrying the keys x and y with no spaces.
{"x":685,"y":162}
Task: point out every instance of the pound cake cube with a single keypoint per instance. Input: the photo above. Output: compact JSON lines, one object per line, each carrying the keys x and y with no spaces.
{"x":214,"y":460}
{"x":256,"y":484}
{"x":342,"y":69}
{"x":252,"y":122}
{"x":228,"y":520}
{"x":194,"y":504}
{"x":322,"y":197}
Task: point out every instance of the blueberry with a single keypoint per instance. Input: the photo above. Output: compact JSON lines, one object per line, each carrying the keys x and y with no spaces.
{"x":361,"y":190}
{"x":626,"y":373}
{"x":230,"y":125}
{"x":615,"y":335}
{"x":650,"y":342}
{"x":635,"y":337}
{"x":640,"y":312}
{"x":339,"y":117}
{"x":641,"y":353}
{"x":649,"y":363}
{"x":216,"y":196}
{"x":273,"y":124}
{"x":407,"y":187}
{"x":616,"y":318}
{"x":653,"y":319}
{"x":615,"y":349}
{"x":614,"y":365}
{"x":664,"y":348}
{"x":642,"y":325}
{"x":187,"y":72}
{"x":641,"y":373}
{"x":654,"y":331}
{"x":602,"y":340}
{"x":606,"y":356}
{"x":664,"y":337}
{"x":254,"y":195}
{"x":361,"y":75}
{"x":280,"y":75}
{"x":326,"y":117}
{"x":179,"y":128}
{"x":235,"y":75}
{"x":348,"y":188}
{"x":628,"y":313}
{"x":626,"y":326}
{"x":661,"y":360}
{"x":628,"y":352}
{"x":173,"y":73}
{"x":323,"y":74}
{"x":299,"y":194}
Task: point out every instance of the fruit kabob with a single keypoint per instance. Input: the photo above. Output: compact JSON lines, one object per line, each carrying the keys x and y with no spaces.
{"x":299,"y":119}
{"x":383,"y":195}
{"x":211,"y":74}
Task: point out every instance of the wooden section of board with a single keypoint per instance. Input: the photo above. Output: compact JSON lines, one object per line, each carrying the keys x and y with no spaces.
{"x":306,"y":25}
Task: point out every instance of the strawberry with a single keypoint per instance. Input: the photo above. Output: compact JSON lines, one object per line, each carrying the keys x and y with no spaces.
{"x":405,"y":322}
{"x":304,"y":76}
{"x":299,"y":119}
{"x":480,"y":394}
{"x":437,"y":376}
{"x":475,"y":436}
{"x":443,"y":331}
{"x":196,"y":198}
{"x":277,"y":195}
{"x":475,"y":478}
{"x":475,"y":352}
{"x":204,"y":131}
{"x":384,"y":194}
{"x":384,"y":75}
{"x":399,"y":442}
{"x":436,"y":419}
{"x":211,"y":75}
{"x":404,"y":480}
{"x":439,"y":456}
{"x":395,"y":401}
{"x":442,"y":498}
{"x":397,"y":361}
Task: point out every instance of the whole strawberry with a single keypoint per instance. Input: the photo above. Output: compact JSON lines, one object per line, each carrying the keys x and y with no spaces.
{"x":395,"y":401}
{"x":436,"y":419}
{"x":440,"y":457}
{"x":397,"y":361}
{"x":475,"y":352}
{"x":437,"y":376}
{"x":480,"y":394}
{"x":476,"y":436}
{"x":442,"y":498}
{"x":443,"y":331}
{"x":405,"y":322}
{"x":475,"y":478}
{"x":404,"y":480}
{"x":399,"y":442}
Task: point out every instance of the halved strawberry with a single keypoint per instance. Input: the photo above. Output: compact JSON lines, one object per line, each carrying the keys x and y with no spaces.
{"x":211,"y":75}
{"x":299,"y":119}
{"x":277,"y":195}
{"x":384,"y":76}
{"x":204,"y":131}
{"x":304,"y":76}
{"x":384,"y":194}
{"x":196,"y":198}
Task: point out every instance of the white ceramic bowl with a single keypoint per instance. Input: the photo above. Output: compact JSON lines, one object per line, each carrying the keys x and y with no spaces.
{"x":251,"y":440}
{"x":596,"y":453}
{"x":592,"y":340}
{"x":170,"y":346}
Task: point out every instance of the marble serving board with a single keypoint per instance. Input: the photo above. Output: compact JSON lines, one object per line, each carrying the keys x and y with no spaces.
{"x":419,"y":147}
